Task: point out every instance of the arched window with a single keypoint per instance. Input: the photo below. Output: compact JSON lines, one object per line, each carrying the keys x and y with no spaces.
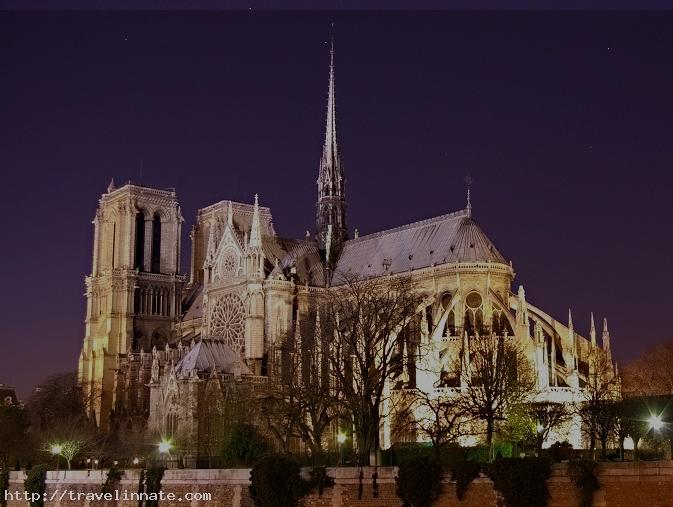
{"x":171,"y":423}
{"x":156,"y":244}
{"x":479,"y":321}
{"x":140,"y":241}
{"x":469,"y":323}
{"x":137,"y":300}
{"x":114,"y":243}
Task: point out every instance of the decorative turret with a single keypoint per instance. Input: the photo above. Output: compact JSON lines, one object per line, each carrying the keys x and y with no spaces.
{"x":592,"y":331}
{"x":522,"y":329}
{"x":465,"y":373}
{"x":331,"y":206}
{"x":540,"y":356}
{"x":573,"y":377}
{"x":554,"y":380}
{"x":255,"y":234}
{"x":254,"y":245}
{"x":606,"y":339}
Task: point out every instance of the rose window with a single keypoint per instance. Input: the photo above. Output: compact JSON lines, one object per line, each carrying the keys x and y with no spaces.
{"x":229,"y":263}
{"x":227,"y":321}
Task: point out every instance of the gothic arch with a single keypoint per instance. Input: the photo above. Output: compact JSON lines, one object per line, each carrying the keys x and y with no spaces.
{"x":157,"y":226}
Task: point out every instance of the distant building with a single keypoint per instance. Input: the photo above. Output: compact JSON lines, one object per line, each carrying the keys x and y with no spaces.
{"x":155,"y":337}
{"x":8,"y":396}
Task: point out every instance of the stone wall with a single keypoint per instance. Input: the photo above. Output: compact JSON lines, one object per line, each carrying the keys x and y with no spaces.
{"x":622,"y":485}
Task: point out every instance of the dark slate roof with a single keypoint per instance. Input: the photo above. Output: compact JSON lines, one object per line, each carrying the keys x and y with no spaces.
{"x":207,"y":354}
{"x":450,"y":238}
{"x":301,"y":253}
{"x":194,"y":304}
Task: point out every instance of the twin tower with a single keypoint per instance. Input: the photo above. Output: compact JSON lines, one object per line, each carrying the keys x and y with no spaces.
{"x":135,"y":290}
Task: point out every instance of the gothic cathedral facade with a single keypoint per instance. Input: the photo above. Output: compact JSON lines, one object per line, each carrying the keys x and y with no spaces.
{"x":154,"y":335}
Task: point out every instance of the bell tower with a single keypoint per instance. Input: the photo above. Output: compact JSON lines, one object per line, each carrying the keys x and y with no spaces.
{"x":134,"y":289}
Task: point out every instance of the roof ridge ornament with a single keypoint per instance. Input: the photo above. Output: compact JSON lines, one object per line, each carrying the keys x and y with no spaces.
{"x":468,"y":183}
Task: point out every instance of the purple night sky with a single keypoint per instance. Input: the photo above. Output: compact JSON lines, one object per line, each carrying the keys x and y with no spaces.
{"x":564,"y":121}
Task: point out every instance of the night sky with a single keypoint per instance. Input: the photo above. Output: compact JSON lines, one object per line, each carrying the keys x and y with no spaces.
{"x":563,"y":120}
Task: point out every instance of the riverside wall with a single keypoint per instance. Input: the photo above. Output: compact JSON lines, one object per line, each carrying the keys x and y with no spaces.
{"x":621,"y":485}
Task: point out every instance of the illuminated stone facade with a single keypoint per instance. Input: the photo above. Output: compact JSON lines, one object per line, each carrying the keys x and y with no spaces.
{"x":154,"y":337}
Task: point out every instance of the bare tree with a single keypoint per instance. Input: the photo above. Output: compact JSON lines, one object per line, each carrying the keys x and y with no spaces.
{"x":302,"y":404}
{"x":498,"y":376}
{"x":440,"y":417}
{"x":547,"y":416}
{"x":597,"y":408}
{"x":59,"y":412}
{"x":365,"y":321}
{"x":13,"y":434}
{"x":651,"y":373}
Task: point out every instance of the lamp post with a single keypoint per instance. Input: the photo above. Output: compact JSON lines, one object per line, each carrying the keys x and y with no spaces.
{"x":165,"y":449}
{"x":56,"y":450}
{"x":656,"y":423}
{"x":341,"y":439}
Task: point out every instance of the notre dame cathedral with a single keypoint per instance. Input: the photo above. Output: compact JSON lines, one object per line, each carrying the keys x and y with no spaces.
{"x":153,"y":334}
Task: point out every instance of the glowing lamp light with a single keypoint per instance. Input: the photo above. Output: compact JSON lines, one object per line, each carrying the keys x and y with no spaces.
{"x":539,"y":428}
{"x":56,"y":449}
{"x":656,"y":422}
{"x":628,"y":444}
{"x":470,"y":441}
{"x":136,"y":461}
{"x":164,"y":446}
{"x":341,"y":437}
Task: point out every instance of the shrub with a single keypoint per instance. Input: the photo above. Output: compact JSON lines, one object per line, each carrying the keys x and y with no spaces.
{"x":4,"y":486}
{"x":320,"y":480}
{"x":583,"y":474}
{"x":464,"y":472}
{"x":481,"y":453}
{"x":521,"y":481}
{"x":275,"y":481}
{"x":114,"y":475}
{"x":243,"y":445}
{"x":561,"y":451}
{"x":35,"y":484}
{"x":419,"y":481}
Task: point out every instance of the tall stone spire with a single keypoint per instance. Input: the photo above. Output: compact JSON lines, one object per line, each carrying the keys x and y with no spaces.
{"x":592,"y":331}
{"x":331,"y":206}
{"x":255,"y":232}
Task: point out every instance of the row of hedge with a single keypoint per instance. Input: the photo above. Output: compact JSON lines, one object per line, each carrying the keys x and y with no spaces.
{"x":522,"y":482}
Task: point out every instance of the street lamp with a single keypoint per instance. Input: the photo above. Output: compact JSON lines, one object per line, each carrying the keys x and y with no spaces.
{"x":165,"y":450}
{"x":165,"y":447}
{"x":56,"y":450}
{"x":656,"y":423}
{"x":341,"y":439}
{"x":136,"y":461}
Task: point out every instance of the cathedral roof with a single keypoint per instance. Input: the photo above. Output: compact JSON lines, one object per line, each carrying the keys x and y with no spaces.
{"x":194,"y":304}
{"x":302,"y":254}
{"x":209,"y":354}
{"x":450,"y":238}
